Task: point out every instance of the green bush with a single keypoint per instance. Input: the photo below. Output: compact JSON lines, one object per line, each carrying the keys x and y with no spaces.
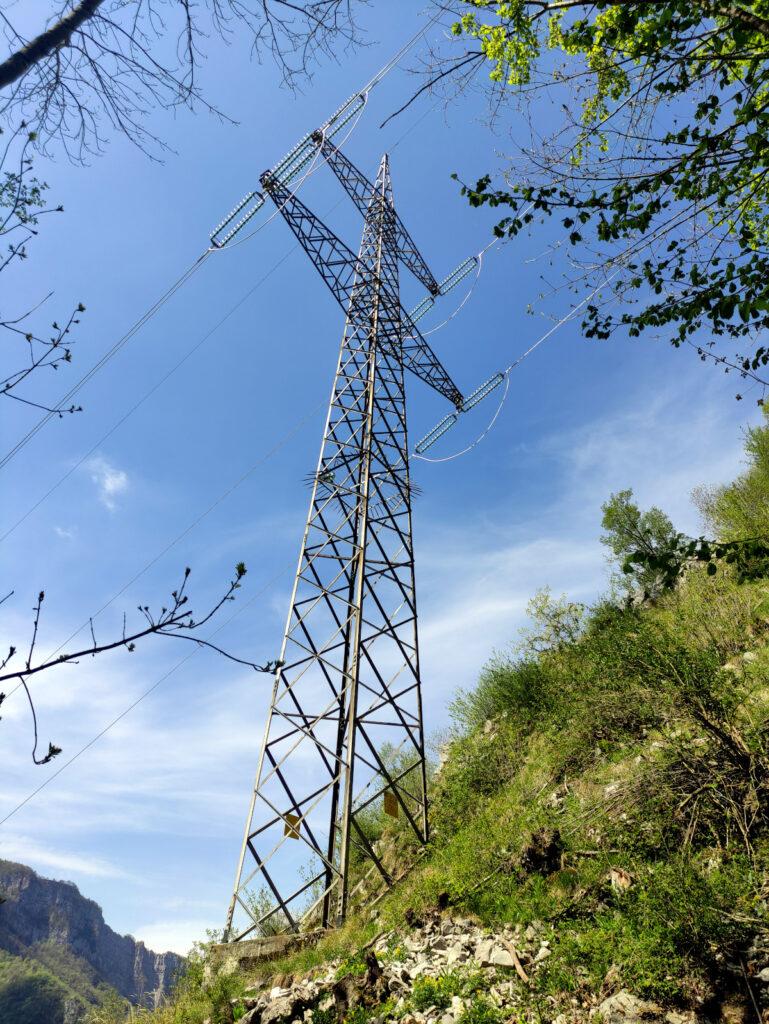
{"x":668,"y":927}
{"x":740,"y":510}
{"x":352,"y":966}
{"x":480,"y":1011}
{"x":522,"y":688}
{"x":193,"y":1001}
{"x":438,"y":992}
{"x":358,"y":1015}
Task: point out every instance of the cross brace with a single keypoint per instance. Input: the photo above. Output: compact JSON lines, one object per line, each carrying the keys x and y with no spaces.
{"x":359,"y":189}
{"x":337,"y":265}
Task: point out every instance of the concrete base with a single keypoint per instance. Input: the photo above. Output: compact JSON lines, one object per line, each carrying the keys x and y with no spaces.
{"x":248,"y":954}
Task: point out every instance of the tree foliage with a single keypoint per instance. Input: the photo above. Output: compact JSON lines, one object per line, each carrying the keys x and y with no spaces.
{"x":29,"y":992}
{"x":653,"y":555}
{"x":628,"y":531}
{"x":740,"y":510}
{"x":554,"y":621}
{"x":661,"y":179}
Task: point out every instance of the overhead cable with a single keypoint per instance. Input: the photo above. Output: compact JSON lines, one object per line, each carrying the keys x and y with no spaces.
{"x":66,"y":399}
{"x":288,"y":169}
{"x":293,"y":430}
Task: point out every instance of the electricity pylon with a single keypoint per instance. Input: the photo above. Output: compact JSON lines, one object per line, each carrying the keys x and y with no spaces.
{"x":344,"y":729}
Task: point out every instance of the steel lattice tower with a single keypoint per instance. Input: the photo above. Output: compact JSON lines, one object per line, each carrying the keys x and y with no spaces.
{"x":345,"y":727}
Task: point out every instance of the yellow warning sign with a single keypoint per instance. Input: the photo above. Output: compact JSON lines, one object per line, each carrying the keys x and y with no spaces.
{"x":291,"y":828}
{"x":391,"y":804}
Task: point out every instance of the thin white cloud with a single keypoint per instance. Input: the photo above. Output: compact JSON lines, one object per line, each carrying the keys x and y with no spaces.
{"x":477,"y":578}
{"x":45,"y":859}
{"x":110,"y":481}
{"x":176,"y":936}
{"x":190,"y":752}
{"x":66,"y":533}
{"x":662,"y":445}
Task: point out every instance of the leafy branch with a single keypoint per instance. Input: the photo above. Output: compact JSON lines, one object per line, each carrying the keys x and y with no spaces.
{"x":660,"y":174}
{"x":750,"y":558}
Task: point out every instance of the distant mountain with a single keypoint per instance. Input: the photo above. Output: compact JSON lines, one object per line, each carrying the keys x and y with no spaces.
{"x":58,"y":958}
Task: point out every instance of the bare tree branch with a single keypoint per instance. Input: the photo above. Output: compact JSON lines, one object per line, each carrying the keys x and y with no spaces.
{"x":175,"y":620}
{"x":107,"y":61}
{"x":46,"y":43}
{"x":22,"y":203}
{"x":475,"y":57}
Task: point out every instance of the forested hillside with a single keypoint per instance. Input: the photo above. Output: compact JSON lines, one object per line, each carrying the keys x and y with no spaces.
{"x":600,"y":808}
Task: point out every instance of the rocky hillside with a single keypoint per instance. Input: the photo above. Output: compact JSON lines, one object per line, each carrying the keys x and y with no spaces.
{"x":447,"y":970}
{"x":58,"y":950}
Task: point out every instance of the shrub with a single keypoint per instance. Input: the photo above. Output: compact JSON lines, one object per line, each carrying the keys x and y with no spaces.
{"x":668,"y":926}
{"x":524,"y":689}
{"x":436,"y":992}
{"x":354,"y":966}
{"x":480,"y":1011}
{"x":741,"y":509}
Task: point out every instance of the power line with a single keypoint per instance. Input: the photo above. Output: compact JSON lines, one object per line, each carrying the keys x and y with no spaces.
{"x":505,"y":376}
{"x":146,"y":395}
{"x":108,"y":355}
{"x":66,"y":399}
{"x":220,"y":323}
{"x":188,"y":529}
{"x":254,"y":597}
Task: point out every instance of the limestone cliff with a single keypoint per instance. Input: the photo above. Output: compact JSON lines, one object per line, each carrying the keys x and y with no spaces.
{"x":52,"y":923}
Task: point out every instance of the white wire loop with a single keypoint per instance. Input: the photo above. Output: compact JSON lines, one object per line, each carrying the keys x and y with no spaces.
{"x":507,"y":371}
{"x":462,"y":304}
{"x":477,"y":441}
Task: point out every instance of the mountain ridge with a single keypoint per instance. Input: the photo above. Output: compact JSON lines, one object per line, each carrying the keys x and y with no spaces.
{"x":49,"y":924}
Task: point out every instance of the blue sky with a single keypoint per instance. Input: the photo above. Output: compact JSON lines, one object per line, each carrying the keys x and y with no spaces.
{"x":148,"y":820}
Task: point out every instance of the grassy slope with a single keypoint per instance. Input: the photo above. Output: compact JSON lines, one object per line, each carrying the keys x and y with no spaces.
{"x":648,"y":759}
{"x":639,"y":749}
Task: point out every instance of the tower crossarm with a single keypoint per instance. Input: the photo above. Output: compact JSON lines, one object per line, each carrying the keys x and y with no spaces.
{"x":422,"y":361}
{"x":359,"y":189}
{"x":337,"y":265}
